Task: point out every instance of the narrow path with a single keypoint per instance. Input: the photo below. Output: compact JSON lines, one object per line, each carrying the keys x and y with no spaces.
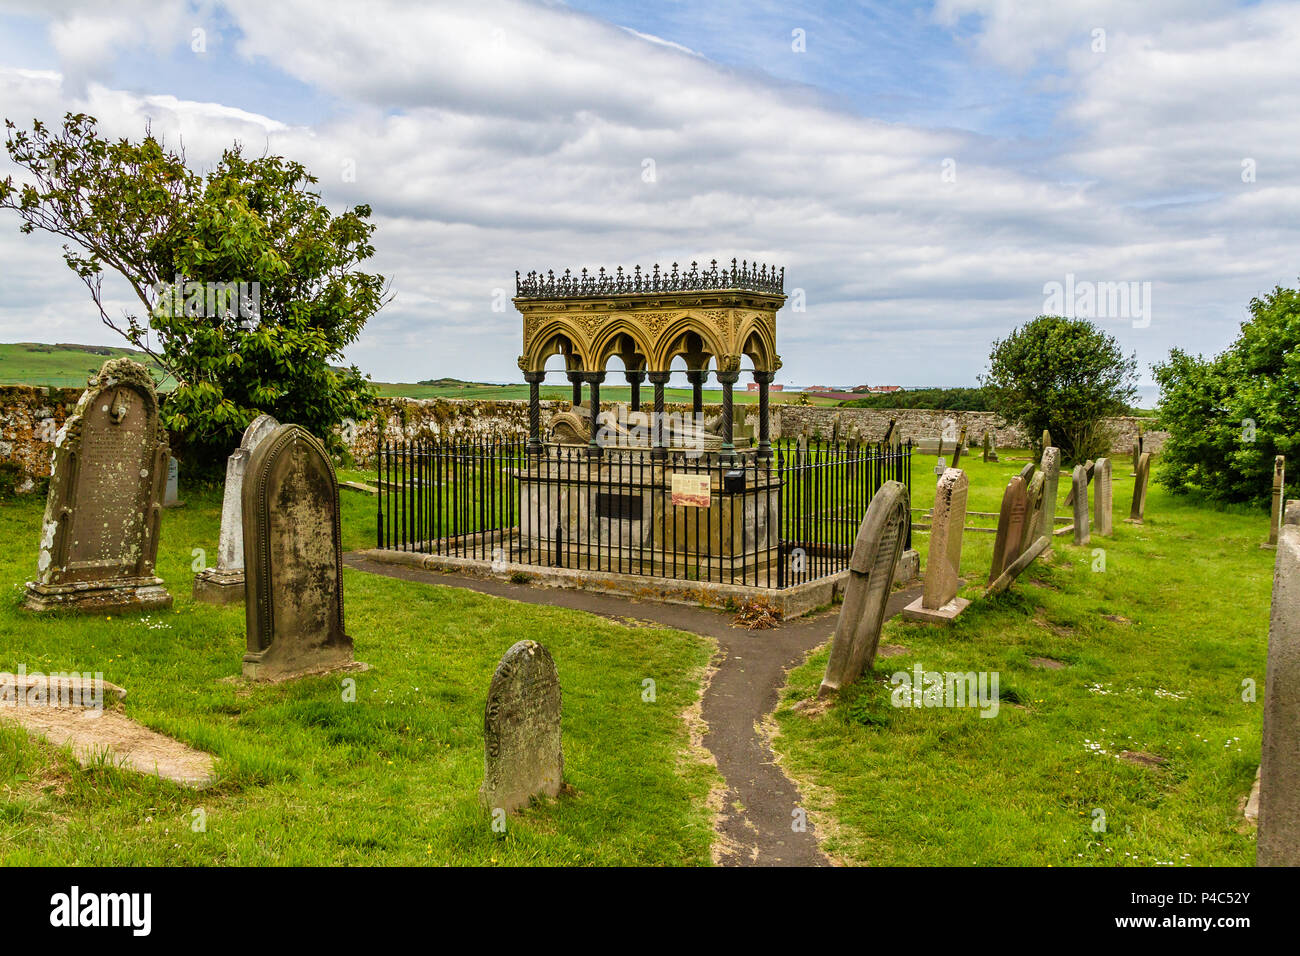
{"x":760,"y":801}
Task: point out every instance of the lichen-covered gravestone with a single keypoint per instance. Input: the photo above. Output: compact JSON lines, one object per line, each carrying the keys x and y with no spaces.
{"x":1080,"y":502}
{"x":876,"y":551}
{"x":523,"y":756}
{"x":293,"y":556}
{"x":99,"y":539}
{"x":1011,"y":527}
{"x":938,"y":602}
{"x":1278,"y":841}
{"x":224,"y":584}
{"x":1051,"y":469}
{"x":1035,"y":502}
{"x":1103,"y":501}
{"x":1138,"y":512}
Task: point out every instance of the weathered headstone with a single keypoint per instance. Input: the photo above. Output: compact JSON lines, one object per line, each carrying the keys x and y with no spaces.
{"x":224,"y":584}
{"x":987,"y":446}
{"x":1137,"y":448}
{"x":172,"y":496}
{"x":293,"y":556}
{"x":1035,"y":504}
{"x":1046,"y":441}
{"x":523,"y":754}
{"x":1026,"y":473}
{"x":1011,"y":527}
{"x":1051,"y":469}
{"x":99,"y":538}
{"x":876,"y":550}
{"x":938,"y":601}
{"x":1087,"y":474}
{"x":1138,"y":512}
{"x":1278,"y":839}
{"x":1080,"y":502}
{"x":1275,"y":513}
{"x":1103,"y":501}
{"x":961,"y":445}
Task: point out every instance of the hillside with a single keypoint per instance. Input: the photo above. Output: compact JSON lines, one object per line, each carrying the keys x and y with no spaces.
{"x":65,"y":366}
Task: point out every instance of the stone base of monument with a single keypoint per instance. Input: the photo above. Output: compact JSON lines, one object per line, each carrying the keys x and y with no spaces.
{"x":119,"y":597}
{"x":936,"y":615}
{"x":267,"y":666}
{"x":215,"y":586}
{"x":1134,"y":521}
{"x":909,"y":567}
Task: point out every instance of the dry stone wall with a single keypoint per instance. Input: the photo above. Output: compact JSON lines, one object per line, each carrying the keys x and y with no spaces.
{"x":30,"y":417}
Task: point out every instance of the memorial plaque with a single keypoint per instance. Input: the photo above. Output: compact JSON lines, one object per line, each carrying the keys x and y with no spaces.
{"x":1011,"y":527}
{"x":523,"y":753}
{"x":294,"y":559}
{"x":876,"y":551}
{"x":1103,"y":502}
{"x":691,"y":490}
{"x":99,"y":537}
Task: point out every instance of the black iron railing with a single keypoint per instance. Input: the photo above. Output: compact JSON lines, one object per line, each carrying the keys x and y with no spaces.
{"x":746,"y":276}
{"x":748,"y":521}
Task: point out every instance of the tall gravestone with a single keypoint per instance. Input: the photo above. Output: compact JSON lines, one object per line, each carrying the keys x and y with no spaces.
{"x":523,"y":755}
{"x":1045,"y":441}
{"x":293,"y":556}
{"x":938,"y":601}
{"x":1103,"y":500}
{"x":224,"y":583}
{"x":1278,"y":840}
{"x":99,"y":538}
{"x":1035,"y":502}
{"x":1275,"y":513}
{"x":172,"y":496}
{"x":1088,"y":467}
{"x":1011,"y":527}
{"x":1082,"y":532}
{"x":987,"y":446}
{"x":1137,"y":513}
{"x":876,"y":550}
{"x":1051,"y":469}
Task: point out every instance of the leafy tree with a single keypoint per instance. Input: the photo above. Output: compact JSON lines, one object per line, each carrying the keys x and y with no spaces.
{"x":1064,"y":375}
{"x":185,"y":242}
{"x":1230,"y":415}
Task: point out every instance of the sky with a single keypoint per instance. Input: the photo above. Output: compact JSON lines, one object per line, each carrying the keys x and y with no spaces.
{"x":930,"y":175}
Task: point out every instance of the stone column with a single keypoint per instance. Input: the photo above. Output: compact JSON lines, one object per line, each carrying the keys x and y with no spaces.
{"x":660,"y":450}
{"x":764,"y":379}
{"x":576,"y":379}
{"x":593,"y":380}
{"x":696,"y":377}
{"x":1275,"y":515}
{"x":635,"y":379}
{"x":534,"y":380}
{"x":728,"y":379}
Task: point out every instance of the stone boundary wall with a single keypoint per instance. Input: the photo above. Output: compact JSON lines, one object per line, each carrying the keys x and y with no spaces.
{"x":30,"y":417}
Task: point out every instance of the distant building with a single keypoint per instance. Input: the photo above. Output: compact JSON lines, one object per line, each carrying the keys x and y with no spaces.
{"x":753,"y":387}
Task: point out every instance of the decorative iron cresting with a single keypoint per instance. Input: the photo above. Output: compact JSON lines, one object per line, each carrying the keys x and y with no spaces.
{"x":745,"y":276}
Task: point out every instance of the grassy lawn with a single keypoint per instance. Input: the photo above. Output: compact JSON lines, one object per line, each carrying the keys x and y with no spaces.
{"x":1156,"y":648}
{"x":60,"y":366}
{"x":305,"y":778}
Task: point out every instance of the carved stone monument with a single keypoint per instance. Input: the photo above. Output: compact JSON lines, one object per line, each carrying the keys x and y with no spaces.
{"x":1103,"y":501}
{"x":523,"y":756}
{"x":1081,"y":531}
{"x":99,"y":538}
{"x":1011,"y":527}
{"x":876,"y":550}
{"x":294,"y":559}
{"x":224,"y":584}
{"x":1138,"y":512}
{"x":939,"y":602}
{"x":1278,"y":840}
{"x":1275,"y":513}
{"x":1051,"y":469}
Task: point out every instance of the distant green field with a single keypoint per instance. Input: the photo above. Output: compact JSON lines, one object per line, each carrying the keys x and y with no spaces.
{"x":608,"y":393}
{"x":62,"y":366}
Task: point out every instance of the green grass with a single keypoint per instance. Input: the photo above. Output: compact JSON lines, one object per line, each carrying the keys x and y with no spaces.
{"x":1191,"y":591}
{"x":60,"y":366}
{"x":305,"y":778}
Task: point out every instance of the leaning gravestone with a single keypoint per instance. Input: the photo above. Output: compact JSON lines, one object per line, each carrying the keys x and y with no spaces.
{"x":99,"y":539}
{"x":523,"y":756}
{"x":1275,"y":513}
{"x":1011,"y":527}
{"x":224,"y":584}
{"x":1278,"y":840}
{"x":1035,"y":502}
{"x":293,"y":559}
{"x":1088,"y":467}
{"x":1026,"y":473}
{"x":938,"y":601}
{"x":1051,"y":469}
{"x":1103,"y":501}
{"x":1138,"y":512}
{"x":1081,"y":531}
{"x":876,"y":550}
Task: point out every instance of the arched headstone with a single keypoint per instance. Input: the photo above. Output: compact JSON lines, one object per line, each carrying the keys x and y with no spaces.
{"x":1011,"y":527}
{"x":876,"y":550}
{"x":523,"y":755}
{"x":99,"y":539}
{"x":293,"y":555}
{"x":224,"y":583}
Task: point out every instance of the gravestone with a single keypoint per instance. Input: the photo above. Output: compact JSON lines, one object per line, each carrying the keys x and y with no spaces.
{"x":938,"y":601}
{"x":99,"y":538}
{"x":1011,"y":527}
{"x":1035,"y":504}
{"x":1046,"y":441}
{"x":293,"y":559}
{"x":876,"y":550}
{"x":987,"y":446}
{"x":1137,"y":449}
{"x":172,"y":496}
{"x":1051,"y":469}
{"x":224,"y":584}
{"x":1138,"y":512}
{"x":1088,"y":466}
{"x":1278,"y":840}
{"x":523,"y":756}
{"x":1275,"y":513}
{"x":961,"y":445}
{"x":1103,"y":501}
{"x":1081,"y":532}
{"x":1026,"y":473}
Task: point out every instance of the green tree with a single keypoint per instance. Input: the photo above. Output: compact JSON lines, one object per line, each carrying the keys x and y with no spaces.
{"x":248,"y":285}
{"x":1229,"y":416}
{"x":1064,"y":375}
